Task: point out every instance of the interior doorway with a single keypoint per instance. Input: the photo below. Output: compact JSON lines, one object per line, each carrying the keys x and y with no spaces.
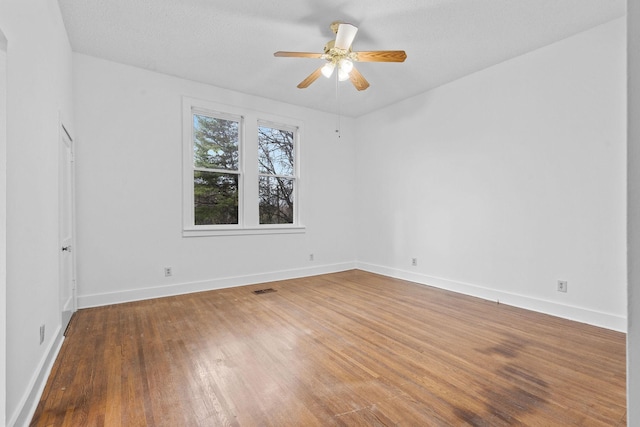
{"x":66,"y":190}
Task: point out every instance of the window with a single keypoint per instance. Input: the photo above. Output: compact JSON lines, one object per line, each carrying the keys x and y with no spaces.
{"x":216,"y":175}
{"x":240,"y":171}
{"x":276,"y":182}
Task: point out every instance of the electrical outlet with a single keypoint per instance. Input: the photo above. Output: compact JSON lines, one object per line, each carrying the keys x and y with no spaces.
{"x":311,"y":257}
{"x":562,"y":286}
{"x":167,"y":272}
{"x":414,"y":262}
{"x":41,"y":334}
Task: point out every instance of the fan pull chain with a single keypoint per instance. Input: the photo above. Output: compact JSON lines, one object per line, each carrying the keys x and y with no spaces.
{"x":338,"y":119}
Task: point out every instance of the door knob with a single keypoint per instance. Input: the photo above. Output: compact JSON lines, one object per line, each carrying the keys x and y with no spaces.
{"x":66,"y":248}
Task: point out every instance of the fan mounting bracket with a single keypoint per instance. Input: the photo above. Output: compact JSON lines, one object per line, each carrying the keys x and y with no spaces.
{"x":335,"y":54}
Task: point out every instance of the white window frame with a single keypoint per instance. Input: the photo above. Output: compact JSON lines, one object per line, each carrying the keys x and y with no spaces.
{"x":294,"y":177}
{"x":248,"y":222}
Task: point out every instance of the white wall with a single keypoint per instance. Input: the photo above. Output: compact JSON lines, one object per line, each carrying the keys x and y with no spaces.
{"x":129,"y":192}
{"x":633,"y":337}
{"x":39,"y":88}
{"x":3,"y":224}
{"x":505,"y":181}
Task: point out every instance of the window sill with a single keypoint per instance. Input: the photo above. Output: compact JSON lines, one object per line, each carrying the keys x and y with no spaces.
{"x":245,"y":231}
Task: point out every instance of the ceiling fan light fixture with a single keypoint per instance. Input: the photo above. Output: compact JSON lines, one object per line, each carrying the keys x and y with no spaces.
{"x":327,"y":70}
{"x":338,"y":53}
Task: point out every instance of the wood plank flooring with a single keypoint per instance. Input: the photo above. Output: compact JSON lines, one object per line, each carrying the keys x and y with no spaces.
{"x":345,"y":349}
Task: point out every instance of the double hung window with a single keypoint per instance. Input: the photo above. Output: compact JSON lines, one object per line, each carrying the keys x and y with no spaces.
{"x":241,"y":171}
{"x":276,"y":181}
{"x":216,"y":171}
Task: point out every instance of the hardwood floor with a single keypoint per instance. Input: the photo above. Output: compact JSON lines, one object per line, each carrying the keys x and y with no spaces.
{"x":349,"y":349}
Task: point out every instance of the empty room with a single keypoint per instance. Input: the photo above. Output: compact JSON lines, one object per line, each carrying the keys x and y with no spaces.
{"x":319,"y":213}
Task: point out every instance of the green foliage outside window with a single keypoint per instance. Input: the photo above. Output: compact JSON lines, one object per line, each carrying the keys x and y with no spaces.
{"x":216,"y":192}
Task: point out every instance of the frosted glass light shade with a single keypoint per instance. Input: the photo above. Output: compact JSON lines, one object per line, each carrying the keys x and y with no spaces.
{"x":327,"y":70}
{"x":346,"y":65}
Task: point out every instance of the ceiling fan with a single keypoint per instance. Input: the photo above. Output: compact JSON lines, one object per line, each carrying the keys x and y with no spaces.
{"x":338,"y":54}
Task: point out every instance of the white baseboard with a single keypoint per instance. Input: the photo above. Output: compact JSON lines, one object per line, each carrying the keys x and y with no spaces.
{"x":579,"y":314}
{"x":97,"y":300}
{"x":29,"y":402}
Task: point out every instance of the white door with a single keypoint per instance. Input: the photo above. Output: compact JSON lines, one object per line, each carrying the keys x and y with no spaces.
{"x":66,"y":227}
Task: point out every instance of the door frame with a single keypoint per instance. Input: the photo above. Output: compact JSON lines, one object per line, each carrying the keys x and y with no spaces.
{"x":66,"y":140}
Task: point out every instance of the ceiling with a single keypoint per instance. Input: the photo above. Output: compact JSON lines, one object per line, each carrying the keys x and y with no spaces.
{"x":230,"y":44}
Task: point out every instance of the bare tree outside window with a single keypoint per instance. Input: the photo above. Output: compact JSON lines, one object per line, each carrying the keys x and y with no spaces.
{"x":276,"y":181}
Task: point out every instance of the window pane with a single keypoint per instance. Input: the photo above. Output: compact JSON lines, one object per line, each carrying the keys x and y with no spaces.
{"x":276,"y":200}
{"x":215,"y":197}
{"x":275,"y":151}
{"x":215,"y":143}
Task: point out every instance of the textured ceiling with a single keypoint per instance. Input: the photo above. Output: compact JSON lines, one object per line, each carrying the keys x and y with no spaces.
{"x":230,"y":44}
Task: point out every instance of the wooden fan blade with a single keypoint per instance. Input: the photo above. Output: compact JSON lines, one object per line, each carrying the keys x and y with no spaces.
{"x":298,"y":54}
{"x":310,"y":79}
{"x":358,"y":79}
{"x":381,"y":56}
